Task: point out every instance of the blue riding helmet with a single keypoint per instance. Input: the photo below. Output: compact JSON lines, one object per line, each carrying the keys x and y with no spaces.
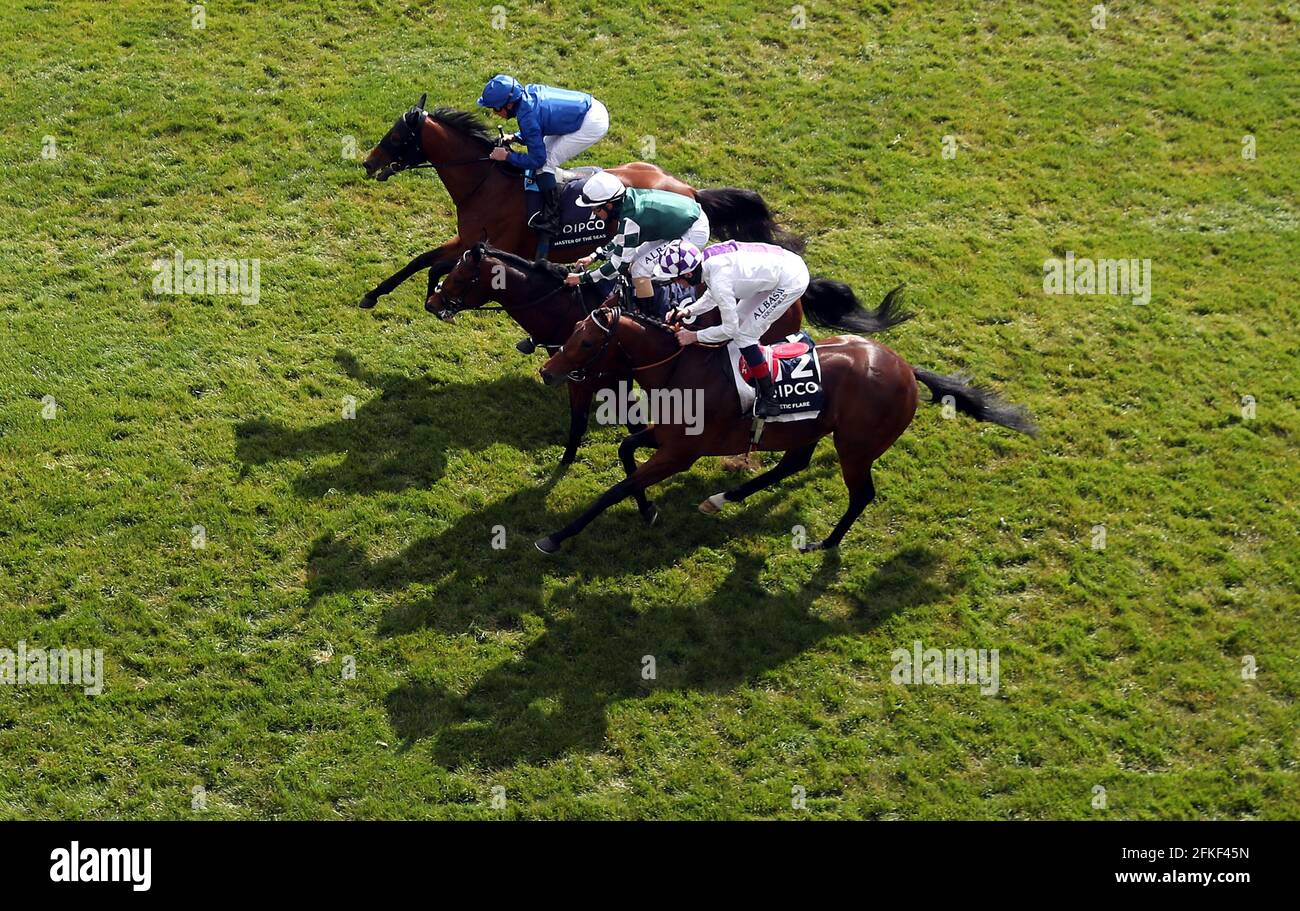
{"x":500,"y":91}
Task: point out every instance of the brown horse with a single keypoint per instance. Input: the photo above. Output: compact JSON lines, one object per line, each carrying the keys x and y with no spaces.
{"x":534,"y":295}
{"x":871,"y":396}
{"x":489,"y":195}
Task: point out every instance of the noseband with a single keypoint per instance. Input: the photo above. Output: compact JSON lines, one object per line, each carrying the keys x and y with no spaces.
{"x":579,"y":374}
{"x":457,"y":304}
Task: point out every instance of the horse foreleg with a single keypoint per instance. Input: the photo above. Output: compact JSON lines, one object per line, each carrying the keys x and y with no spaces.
{"x":661,"y":465}
{"x":627,"y":453}
{"x":579,"y":408}
{"x":447,"y":251}
{"x":794,"y":460}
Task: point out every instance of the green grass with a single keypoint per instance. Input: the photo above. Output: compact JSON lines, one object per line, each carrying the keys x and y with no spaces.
{"x":479,"y":668}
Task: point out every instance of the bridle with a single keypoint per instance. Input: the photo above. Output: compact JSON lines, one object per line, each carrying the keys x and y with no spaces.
{"x":579,"y":374}
{"x":457,"y":303}
{"x":407,"y":155}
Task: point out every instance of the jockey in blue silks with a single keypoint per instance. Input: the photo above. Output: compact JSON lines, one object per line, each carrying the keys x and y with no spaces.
{"x":554,"y":125}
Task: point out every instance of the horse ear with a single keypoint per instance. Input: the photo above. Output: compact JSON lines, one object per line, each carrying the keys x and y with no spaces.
{"x":477,"y":252}
{"x":419,"y":105}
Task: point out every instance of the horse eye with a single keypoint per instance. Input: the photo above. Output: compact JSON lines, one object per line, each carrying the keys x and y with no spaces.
{"x":586,"y":344}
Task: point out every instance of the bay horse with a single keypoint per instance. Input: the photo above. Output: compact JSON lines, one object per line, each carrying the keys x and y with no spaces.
{"x":871,"y":397}
{"x":535,"y":296}
{"x":489,"y":195}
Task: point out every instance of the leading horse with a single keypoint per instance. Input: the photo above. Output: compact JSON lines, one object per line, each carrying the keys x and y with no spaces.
{"x":489,"y":195}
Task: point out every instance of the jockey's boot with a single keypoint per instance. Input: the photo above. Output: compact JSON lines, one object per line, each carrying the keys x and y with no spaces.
{"x":546,"y":222}
{"x":765,"y":405}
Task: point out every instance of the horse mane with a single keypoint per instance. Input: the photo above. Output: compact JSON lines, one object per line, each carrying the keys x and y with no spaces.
{"x":463,"y":122}
{"x":538,"y":267}
{"x":646,"y":319}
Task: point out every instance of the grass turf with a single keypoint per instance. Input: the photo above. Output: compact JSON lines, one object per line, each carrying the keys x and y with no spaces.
{"x":367,"y":542}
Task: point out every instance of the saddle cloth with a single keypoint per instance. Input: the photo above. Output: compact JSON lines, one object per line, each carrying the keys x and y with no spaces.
{"x":579,"y":226}
{"x":796,"y":377}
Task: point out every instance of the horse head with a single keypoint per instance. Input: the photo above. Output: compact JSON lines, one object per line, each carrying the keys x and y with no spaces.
{"x":400,"y":147}
{"x":585,"y":351}
{"x":464,"y":288}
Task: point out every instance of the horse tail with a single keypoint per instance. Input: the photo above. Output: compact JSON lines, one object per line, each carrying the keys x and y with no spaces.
{"x":743,"y":215}
{"x":981,"y":404}
{"x":835,"y":305}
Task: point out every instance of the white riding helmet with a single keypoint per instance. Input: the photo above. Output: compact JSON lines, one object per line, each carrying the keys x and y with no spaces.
{"x":600,"y":189}
{"x":675,"y":258}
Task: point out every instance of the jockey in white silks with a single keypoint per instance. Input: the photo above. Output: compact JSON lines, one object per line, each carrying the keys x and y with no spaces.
{"x":750,"y":284}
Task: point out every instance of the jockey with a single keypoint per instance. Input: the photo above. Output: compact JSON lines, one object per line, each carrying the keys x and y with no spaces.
{"x":751,"y":285}
{"x":647,"y":220}
{"x":554,"y":126}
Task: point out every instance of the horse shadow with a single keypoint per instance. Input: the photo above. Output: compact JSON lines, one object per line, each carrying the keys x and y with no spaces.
{"x":554,"y":697}
{"x":399,"y":439}
{"x":467,"y":582}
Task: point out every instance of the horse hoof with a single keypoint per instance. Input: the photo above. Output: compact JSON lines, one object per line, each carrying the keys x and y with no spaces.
{"x":367,"y":302}
{"x":713,"y":505}
{"x":546,"y":545}
{"x":526,"y":346}
{"x":567,"y":458}
{"x":651,"y":515}
{"x":815,"y":546}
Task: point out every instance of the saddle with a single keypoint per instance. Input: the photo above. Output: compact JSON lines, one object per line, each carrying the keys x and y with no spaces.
{"x":774,"y":354}
{"x":579,"y":226}
{"x":796,"y":379}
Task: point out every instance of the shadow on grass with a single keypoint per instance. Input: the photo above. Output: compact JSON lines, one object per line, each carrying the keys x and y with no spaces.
{"x":553,"y":698}
{"x":400,"y":438}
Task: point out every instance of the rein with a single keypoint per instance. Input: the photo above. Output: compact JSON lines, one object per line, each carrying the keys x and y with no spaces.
{"x":458,"y":303}
{"x":580,"y":374}
{"x":529,"y":304}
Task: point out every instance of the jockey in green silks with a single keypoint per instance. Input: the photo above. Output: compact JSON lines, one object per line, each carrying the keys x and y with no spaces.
{"x":648,"y":219}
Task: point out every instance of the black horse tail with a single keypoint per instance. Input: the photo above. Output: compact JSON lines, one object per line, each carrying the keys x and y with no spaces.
{"x":981,"y":404}
{"x":834,"y":304}
{"x":743,"y":215}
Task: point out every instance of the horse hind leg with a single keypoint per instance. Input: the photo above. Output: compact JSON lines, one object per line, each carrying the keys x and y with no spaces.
{"x":794,"y":460}
{"x":862,"y":490}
